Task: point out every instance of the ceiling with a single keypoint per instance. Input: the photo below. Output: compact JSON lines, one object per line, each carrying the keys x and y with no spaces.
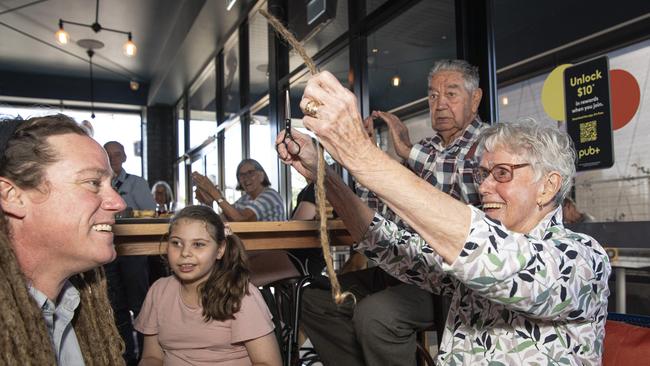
{"x":177,"y":38}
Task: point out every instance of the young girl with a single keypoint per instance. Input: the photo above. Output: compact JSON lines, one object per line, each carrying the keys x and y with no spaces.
{"x":207,"y":312}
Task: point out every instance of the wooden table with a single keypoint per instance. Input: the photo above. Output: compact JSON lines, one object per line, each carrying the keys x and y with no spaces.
{"x":144,"y":236}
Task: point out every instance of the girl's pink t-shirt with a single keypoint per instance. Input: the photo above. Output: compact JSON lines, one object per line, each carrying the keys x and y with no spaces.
{"x":186,"y":339}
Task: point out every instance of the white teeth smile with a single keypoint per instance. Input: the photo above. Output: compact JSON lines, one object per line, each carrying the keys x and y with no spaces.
{"x":492,"y":205}
{"x":103,"y":227}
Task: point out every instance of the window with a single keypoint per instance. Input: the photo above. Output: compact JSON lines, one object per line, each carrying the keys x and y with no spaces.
{"x":203,"y":107}
{"x":233,"y":156}
{"x":619,"y":193}
{"x":259,"y":56}
{"x":125,"y":128}
{"x":180,"y":112}
{"x":181,"y":185}
{"x":404,"y":50}
{"x":262,"y":145}
{"x":323,"y":35}
{"x":231,"y":76}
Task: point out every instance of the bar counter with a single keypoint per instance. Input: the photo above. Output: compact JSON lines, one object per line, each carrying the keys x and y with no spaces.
{"x":144,"y":236}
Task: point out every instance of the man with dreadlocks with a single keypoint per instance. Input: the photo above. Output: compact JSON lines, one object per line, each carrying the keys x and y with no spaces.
{"x":57,"y":210}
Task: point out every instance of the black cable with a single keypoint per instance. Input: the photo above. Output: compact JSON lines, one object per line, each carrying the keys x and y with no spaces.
{"x":22,"y":6}
{"x":92,"y":85}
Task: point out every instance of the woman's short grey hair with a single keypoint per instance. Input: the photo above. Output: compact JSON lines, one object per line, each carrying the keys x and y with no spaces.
{"x":544,"y":146}
{"x":469,"y":72}
{"x":257,"y":166}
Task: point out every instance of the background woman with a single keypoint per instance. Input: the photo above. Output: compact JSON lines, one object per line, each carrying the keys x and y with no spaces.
{"x":164,"y":197}
{"x":259,"y":203}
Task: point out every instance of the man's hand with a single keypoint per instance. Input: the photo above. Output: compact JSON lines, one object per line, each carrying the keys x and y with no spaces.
{"x":398,"y":132}
{"x":306,"y":161}
{"x":369,"y":126}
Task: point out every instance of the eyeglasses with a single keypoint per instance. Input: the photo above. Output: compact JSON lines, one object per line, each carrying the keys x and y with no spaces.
{"x":502,"y":173}
{"x":246,"y":174}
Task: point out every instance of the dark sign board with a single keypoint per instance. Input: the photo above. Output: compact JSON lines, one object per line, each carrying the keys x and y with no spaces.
{"x":588,"y":113}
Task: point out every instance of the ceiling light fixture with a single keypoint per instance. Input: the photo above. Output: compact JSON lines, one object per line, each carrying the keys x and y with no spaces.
{"x":91,"y":45}
{"x":395,"y":80}
{"x":63,"y":37}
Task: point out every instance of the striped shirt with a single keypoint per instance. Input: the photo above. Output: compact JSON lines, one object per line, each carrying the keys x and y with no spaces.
{"x":268,"y":206}
{"x":444,"y":167}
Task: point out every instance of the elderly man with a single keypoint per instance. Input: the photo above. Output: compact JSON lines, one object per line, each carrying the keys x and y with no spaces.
{"x":381,"y":328}
{"x":525,"y":290}
{"x":58,"y":209}
{"x":128,"y":277}
{"x":135,"y":190}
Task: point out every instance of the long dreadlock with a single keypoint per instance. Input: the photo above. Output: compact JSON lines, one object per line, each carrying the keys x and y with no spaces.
{"x":24,"y":339}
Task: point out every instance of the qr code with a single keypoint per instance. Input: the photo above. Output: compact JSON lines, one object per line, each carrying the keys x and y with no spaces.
{"x":588,"y":132}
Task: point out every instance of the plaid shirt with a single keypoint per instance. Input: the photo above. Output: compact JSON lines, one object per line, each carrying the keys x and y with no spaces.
{"x":444,"y":167}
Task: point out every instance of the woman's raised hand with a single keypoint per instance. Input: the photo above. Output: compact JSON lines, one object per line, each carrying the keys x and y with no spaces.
{"x":331,"y":112}
{"x":206,"y":187}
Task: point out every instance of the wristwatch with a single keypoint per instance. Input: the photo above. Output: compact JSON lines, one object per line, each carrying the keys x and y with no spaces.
{"x":219,"y":201}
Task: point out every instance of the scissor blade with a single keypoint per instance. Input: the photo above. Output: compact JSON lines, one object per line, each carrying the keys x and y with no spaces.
{"x":287,"y":106}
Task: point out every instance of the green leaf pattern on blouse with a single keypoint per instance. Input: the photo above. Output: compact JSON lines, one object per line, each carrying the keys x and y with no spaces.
{"x":534,"y":299}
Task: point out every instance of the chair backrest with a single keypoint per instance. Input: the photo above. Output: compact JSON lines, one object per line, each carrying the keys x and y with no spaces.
{"x":627,"y":340}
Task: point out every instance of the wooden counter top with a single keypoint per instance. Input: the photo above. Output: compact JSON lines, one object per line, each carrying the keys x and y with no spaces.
{"x":145,"y":238}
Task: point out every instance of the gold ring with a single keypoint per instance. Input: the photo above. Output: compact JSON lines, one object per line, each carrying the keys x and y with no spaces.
{"x":311,"y":108}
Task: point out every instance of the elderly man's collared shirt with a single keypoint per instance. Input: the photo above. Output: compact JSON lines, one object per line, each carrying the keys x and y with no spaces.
{"x":445,"y":167}
{"x":535,"y":299}
{"x":134,"y":190}
{"x":58,"y":319}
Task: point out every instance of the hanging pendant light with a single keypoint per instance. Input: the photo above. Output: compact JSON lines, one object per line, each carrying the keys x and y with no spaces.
{"x":129,"y":47}
{"x":62,"y":37}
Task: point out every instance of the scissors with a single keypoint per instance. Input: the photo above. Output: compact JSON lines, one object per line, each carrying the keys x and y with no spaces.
{"x":287,"y":128}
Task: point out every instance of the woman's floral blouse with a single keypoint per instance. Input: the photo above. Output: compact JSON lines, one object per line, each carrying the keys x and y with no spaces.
{"x":535,"y":299}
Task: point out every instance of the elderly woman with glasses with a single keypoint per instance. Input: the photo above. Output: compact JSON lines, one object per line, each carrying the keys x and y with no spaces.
{"x":259,"y":203}
{"x":525,"y":290}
